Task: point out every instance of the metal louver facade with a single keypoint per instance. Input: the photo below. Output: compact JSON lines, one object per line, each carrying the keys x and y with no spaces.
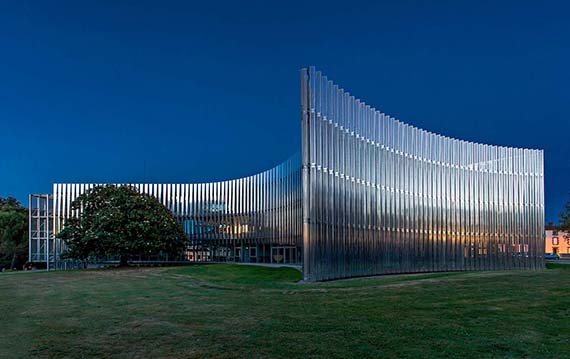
{"x":367,"y":195}
{"x":381,"y":196}
{"x":252,"y":219}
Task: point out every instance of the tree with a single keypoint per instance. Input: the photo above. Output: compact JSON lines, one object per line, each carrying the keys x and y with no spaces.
{"x":118,"y":220}
{"x":10,"y":202}
{"x":564,"y":221}
{"x":550,"y":226}
{"x":13,"y":231}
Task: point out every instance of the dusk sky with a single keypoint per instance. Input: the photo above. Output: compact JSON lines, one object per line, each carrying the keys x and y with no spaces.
{"x":204,"y":91}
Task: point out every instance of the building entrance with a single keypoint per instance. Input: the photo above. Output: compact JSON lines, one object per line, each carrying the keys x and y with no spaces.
{"x":284,"y":255}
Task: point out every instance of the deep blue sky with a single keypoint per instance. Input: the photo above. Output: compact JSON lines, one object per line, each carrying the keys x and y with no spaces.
{"x":90,"y":91}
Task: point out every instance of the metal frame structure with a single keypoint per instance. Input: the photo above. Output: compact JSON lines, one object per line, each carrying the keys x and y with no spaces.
{"x":41,"y":240}
{"x":367,"y":195}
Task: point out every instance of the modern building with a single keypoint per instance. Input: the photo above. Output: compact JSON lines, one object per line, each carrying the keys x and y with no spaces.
{"x":366,"y":194}
{"x":557,"y":242}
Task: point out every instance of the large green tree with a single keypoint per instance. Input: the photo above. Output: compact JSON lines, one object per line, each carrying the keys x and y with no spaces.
{"x":13,"y":232}
{"x":118,"y":220}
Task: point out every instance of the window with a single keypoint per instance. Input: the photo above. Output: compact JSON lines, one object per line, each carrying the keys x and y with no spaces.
{"x":555,"y":240}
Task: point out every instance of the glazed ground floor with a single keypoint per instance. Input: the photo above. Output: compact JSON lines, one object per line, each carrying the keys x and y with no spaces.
{"x":247,"y":253}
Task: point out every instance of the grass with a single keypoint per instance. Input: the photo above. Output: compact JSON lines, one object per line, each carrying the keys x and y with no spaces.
{"x":234,"y":311}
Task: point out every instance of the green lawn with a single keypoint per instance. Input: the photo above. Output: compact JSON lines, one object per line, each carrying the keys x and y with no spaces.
{"x":246,"y":311}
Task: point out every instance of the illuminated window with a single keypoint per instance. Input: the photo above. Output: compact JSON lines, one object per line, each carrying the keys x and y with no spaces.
{"x":554,"y":240}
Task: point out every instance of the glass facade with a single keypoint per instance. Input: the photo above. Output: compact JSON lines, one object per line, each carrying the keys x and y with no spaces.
{"x":367,"y":195}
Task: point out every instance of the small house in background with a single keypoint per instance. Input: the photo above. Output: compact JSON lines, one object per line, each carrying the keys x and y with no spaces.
{"x":557,"y":242}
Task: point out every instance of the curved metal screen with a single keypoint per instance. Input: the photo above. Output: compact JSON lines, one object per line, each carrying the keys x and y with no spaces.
{"x":368,"y":195}
{"x":251,"y":219}
{"x":381,"y":196}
